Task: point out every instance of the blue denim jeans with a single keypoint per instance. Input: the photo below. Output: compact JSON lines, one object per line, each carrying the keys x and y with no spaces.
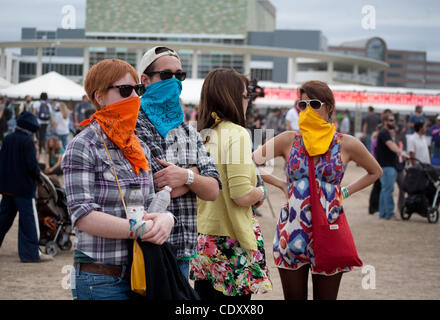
{"x":386,"y":201}
{"x":184,"y":267}
{"x":93,"y":286}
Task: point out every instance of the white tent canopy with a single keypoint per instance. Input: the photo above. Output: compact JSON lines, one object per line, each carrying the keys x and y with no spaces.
{"x":4,"y":83}
{"x":55,"y":85}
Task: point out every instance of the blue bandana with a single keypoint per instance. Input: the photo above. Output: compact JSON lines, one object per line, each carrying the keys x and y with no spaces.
{"x":161,"y":103}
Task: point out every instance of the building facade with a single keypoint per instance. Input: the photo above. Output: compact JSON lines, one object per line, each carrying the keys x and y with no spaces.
{"x":196,"y":21}
{"x":237,"y":34}
{"x":65,"y":61}
{"x":409,"y":69}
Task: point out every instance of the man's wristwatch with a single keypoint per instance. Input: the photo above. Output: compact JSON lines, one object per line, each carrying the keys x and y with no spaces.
{"x":190,"y":177}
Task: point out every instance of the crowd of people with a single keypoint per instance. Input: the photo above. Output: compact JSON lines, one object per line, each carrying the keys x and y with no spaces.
{"x":131,"y":134}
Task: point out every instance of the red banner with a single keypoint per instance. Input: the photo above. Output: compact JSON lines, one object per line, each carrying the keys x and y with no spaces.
{"x":361,"y":97}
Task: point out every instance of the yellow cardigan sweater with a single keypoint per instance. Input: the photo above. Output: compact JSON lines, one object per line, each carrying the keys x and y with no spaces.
{"x":231,"y":148}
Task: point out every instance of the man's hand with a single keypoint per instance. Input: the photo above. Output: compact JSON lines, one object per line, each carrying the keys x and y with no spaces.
{"x":163,"y":223}
{"x":179,"y":191}
{"x":172,"y":175}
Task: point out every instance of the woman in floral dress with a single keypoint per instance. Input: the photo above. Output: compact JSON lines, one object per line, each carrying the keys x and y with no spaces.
{"x":331,"y":151}
{"x":231,"y":262}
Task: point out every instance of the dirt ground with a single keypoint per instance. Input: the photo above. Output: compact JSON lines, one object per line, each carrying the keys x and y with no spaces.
{"x":400,"y":257}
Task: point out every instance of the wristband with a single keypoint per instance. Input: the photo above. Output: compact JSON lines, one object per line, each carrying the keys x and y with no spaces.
{"x":190,"y":177}
{"x":137,"y":229}
{"x":345,"y":192}
{"x":264,"y":192}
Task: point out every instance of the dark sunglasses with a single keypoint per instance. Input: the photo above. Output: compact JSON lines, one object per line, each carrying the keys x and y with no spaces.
{"x":390,"y":120}
{"x":125,"y":90}
{"x":314,"y":103}
{"x":164,"y":75}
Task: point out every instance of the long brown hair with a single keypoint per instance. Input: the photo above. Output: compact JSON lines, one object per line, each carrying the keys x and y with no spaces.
{"x":53,"y":150}
{"x":222,"y":93}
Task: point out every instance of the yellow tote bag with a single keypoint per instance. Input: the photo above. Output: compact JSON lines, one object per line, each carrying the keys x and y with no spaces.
{"x":138,"y":281}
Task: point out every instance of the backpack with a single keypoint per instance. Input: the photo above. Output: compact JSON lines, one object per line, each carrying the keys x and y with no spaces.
{"x":44,"y":112}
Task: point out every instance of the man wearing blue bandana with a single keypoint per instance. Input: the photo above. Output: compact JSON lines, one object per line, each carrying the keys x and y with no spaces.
{"x":178,"y":157}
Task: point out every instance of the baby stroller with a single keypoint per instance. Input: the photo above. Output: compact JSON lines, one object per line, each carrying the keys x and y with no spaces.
{"x":54,"y":220}
{"x":422,"y":185}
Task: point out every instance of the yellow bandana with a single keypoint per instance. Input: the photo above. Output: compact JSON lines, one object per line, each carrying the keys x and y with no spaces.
{"x":317,"y":133}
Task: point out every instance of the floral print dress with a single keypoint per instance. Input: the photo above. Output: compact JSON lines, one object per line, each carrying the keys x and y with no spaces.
{"x":231,"y":269}
{"x":293,"y":242}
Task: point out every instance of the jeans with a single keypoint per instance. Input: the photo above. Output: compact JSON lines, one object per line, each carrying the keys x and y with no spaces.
{"x":63,"y":138}
{"x":386,"y":201}
{"x":184,"y":267}
{"x":94,"y":286}
{"x":41,"y":135}
{"x":368,"y":141}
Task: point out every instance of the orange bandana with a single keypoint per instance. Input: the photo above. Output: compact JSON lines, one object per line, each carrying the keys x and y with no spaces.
{"x":118,"y":121}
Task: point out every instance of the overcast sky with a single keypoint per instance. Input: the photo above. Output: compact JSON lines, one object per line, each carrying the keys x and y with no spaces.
{"x":403,"y":24}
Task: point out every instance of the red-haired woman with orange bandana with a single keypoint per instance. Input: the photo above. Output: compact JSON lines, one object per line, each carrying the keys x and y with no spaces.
{"x":100,"y":165}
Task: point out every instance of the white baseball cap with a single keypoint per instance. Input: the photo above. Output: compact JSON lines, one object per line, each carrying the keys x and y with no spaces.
{"x":150,"y":56}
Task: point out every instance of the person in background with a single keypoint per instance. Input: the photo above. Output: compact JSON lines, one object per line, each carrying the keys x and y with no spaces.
{"x":292,"y":118}
{"x":370,"y":124}
{"x":5,"y":115}
{"x":79,"y":111}
{"x":26,"y":105}
{"x":19,"y":173}
{"x":54,"y":155}
{"x":344,"y":128}
{"x":61,"y":123}
{"x":417,"y":146}
{"x":387,"y":153}
{"x":417,"y":116}
{"x":273,"y":121}
{"x":435,"y":145}
{"x":230,"y":264}
{"x":331,"y":151}
{"x":43,"y":112}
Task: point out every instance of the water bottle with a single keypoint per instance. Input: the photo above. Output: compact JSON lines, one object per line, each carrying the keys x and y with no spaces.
{"x":161,"y":201}
{"x":134,"y":200}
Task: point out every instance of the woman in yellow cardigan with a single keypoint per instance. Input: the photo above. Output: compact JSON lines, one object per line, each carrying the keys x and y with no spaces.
{"x":231,"y":262}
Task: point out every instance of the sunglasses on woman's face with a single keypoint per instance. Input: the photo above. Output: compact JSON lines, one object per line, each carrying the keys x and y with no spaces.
{"x":125,"y":90}
{"x":314,"y":103}
{"x":164,"y":75}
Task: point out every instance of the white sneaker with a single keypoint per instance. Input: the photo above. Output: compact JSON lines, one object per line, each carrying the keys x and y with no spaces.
{"x":45,"y":257}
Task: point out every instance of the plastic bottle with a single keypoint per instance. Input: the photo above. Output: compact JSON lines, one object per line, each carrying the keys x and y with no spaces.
{"x":134,"y":200}
{"x":161,"y":201}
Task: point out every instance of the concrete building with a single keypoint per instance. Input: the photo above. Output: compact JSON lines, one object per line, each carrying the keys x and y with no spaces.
{"x":407,"y":68}
{"x":237,"y":34}
{"x":65,"y":61}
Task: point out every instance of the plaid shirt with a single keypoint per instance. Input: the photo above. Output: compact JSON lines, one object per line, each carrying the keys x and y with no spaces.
{"x":183,"y":147}
{"x":91,"y":185}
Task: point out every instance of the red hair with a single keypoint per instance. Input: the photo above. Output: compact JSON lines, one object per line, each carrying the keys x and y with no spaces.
{"x":104,"y":74}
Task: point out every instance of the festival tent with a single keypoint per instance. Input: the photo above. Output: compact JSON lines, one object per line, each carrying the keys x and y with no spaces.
{"x":4,"y":83}
{"x":55,"y":85}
